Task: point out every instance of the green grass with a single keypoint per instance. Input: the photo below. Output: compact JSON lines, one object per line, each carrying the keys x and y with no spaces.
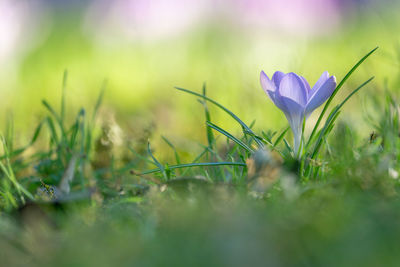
{"x":72,"y":197}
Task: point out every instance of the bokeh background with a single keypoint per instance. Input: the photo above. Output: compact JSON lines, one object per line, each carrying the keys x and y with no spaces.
{"x":143,"y":48}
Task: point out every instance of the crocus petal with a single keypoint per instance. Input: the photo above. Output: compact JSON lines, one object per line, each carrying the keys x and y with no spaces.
{"x":319,"y":83}
{"x":294,"y":113}
{"x":266,"y":83}
{"x":321,"y":95}
{"x":306,"y":84}
{"x":277,"y":77}
{"x":292,"y":87}
{"x":270,"y":89}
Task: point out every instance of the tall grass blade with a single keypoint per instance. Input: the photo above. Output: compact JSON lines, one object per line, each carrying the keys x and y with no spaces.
{"x":347,"y":76}
{"x":334,"y":114}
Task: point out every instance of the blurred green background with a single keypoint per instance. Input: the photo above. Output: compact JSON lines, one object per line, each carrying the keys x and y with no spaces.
{"x":145,"y":48}
{"x":141,"y":49}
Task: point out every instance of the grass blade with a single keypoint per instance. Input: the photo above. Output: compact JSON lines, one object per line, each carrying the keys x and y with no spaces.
{"x":228,"y":135}
{"x":52,"y":111}
{"x":178,"y":161}
{"x":280,"y":137}
{"x":99,"y":101}
{"x":53,"y":132}
{"x":64,"y":88}
{"x":9,"y":173}
{"x":156,"y":162}
{"x":196,"y":165}
{"x":210,"y":134}
{"x":262,"y":139}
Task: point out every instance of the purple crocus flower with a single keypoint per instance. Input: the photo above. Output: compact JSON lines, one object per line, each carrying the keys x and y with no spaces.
{"x":292,"y":94}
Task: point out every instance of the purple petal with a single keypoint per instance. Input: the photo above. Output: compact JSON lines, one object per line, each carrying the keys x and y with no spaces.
{"x":306,"y":85}
{"x":292,"y":87}
{"x":266,"y":83}
{"x":319,"y":83}
{"x":321,"y":95}
{"x":277,"y":77}
{"x":294,"y":113}
{"x":269,"y":88}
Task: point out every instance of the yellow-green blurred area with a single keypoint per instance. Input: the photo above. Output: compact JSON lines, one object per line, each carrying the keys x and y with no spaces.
{"x":143,"y":48}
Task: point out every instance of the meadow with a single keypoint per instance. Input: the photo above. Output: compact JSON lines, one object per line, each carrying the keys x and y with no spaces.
{"x":167,"y":152}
